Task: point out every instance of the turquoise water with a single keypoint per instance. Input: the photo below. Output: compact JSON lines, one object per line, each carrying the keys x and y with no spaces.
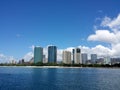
{"x":22,"y":78}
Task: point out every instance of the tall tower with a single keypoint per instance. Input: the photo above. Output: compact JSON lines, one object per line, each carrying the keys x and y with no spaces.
{"x":77,"y":56}
{"x":73,"y":56}
{"x":38,"y":54}
{"x":84,"y":57}
{"x":93,"y":58}
{"x":66,"y":57}
{"x":52,"y":54}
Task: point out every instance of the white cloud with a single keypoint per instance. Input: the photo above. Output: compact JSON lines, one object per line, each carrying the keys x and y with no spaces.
{"x":111,"y":36}
{"x":113,"y":24}
{"x":101,"y":50}
{"x":70,"y":49}
{"x":104,"y":36}
{"x":116,"y":50}
{"x":2,"y":55}
{"x":106,"y":21}
{"x":28,"y":56}
{"x":6,"y":59}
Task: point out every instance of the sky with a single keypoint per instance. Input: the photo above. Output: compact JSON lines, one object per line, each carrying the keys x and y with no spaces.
{"x":92,"y":25}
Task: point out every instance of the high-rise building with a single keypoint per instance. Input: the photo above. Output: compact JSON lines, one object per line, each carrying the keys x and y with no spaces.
{"x":77,"y":56}
{"x":84,"y":58}
{"x":107,"y":60}
{"x":52,"y":54}
{"x":38,"y":54}
{"x":66,"y":56}
{"x":93,"y":58}
{"x":73,"y":56}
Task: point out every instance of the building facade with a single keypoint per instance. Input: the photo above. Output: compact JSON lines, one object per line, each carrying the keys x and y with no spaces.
{"x":52,"y":54}
{"x":93,"y":58}
{"x":66,"y":57}
{"x":77,"y":56}
{"x":73,"y":56}
{"x":38,"y":54}
{"x":84,"y":57}
{"x":107,"y":60}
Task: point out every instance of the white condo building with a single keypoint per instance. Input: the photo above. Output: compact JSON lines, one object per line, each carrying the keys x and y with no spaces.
{"x":66,"y":57}
{"x":77,"y":56}
{"x":107,"y":60}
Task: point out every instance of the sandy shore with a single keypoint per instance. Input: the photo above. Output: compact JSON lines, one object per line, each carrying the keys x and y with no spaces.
{"x":41,"y":66}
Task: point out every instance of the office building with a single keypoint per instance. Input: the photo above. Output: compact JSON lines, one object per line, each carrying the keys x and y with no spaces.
{"x":38,"y":54}
{"x":84,"y":57}
{"x":66,"y":56}
{"x":93,"y":58}
{"x":77,"y":56}
{"x":52,"y":54}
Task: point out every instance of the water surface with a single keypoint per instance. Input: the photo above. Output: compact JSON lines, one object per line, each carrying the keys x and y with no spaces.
{"x":24,"y":78}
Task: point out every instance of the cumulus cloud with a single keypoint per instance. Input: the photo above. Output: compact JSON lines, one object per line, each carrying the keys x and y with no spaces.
{"x":113,"y":24}
{"x":104,"y":36}
{"x":101,"y":50}
{"x":111,"y":36}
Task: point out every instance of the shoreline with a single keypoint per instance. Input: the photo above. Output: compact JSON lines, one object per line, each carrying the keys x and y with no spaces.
{"x":58,"y":67}
{"x":42,"y":66}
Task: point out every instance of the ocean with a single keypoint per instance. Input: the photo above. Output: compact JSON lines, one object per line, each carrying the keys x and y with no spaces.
{"x":35,"y":78}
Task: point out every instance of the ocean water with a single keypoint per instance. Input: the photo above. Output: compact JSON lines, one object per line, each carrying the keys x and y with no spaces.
{"x":24,"y":78}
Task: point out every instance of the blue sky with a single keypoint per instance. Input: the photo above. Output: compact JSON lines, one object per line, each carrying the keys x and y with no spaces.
{"x":64,"y":23}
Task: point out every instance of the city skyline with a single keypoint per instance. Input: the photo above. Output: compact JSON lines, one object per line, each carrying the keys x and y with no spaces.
{"x":68,"y":57}
{"x":92,"y":26}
